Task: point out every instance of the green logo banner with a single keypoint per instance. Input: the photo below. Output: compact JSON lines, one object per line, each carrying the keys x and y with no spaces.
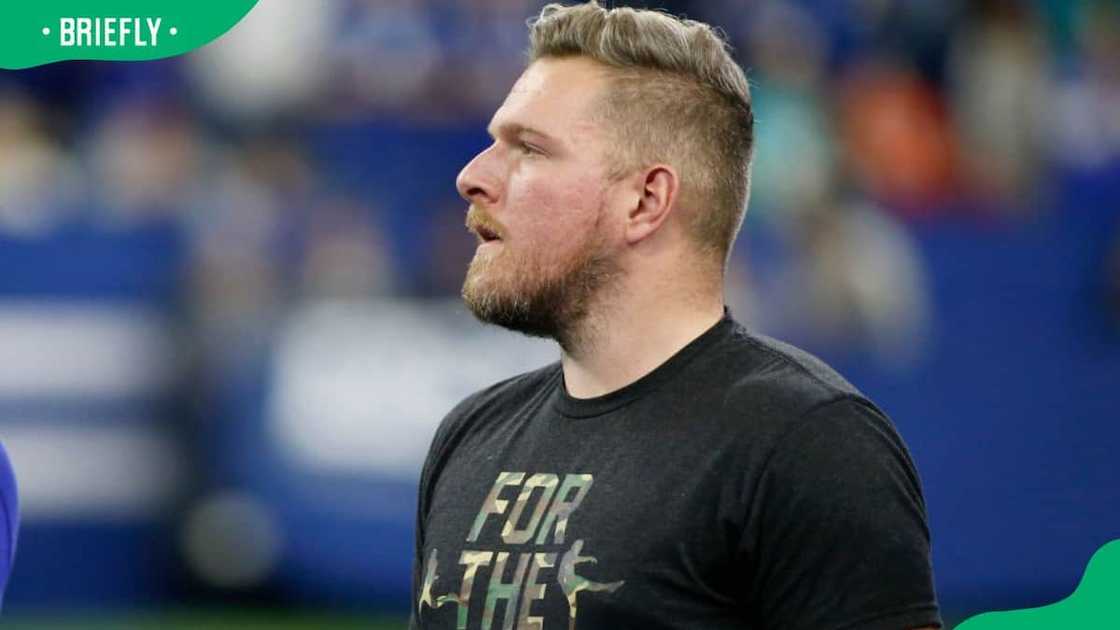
{"x":1095,"y":603}
{"x":35,"y":32}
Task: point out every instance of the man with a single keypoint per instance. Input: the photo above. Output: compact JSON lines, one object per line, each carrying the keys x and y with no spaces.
{"x":9,"y":520}
{"x":672,"y":470}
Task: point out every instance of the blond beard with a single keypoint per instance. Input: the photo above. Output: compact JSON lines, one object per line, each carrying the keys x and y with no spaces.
{"x":527,"y":297}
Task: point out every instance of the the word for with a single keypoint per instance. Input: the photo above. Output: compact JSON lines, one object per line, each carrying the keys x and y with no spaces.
{"x":544,"y":504}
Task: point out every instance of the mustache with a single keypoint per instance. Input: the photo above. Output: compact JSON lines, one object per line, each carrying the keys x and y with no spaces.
{"x":479,"y":219}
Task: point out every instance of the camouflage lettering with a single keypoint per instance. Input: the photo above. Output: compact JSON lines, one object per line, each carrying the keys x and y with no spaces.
{"x":562,"y":508}
{"x":510,"y":533}
{"x":541,"y":514}
{"x":572,"y":584}
{"x":534,"y":591}
{"x":472,"y":560}
{"x":431,"y":576}
{"x":509,"y":591}
{"x":493,"y":504}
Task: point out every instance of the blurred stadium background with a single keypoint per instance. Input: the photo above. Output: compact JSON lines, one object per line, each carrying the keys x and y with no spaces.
{"x":228,"y":300}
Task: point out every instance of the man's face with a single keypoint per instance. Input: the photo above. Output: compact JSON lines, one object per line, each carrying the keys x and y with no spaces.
{"x":539,"y":199}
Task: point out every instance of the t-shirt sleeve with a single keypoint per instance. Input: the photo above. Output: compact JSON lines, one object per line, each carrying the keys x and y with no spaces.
{"x":437,"y":452}
{"x":418,"y":547}
{"x":839,"y":537}
{"x":9,"y":520}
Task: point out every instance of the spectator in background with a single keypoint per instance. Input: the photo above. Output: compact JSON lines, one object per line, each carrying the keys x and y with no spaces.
{"x":9,"y":520}
{"x":145,"y":160}
{"x":1086,"y":135}
{"x":848,"y":276}
{"x":999,"y":80}
{"x":866,"y":282}
{"x":37,"y":178}
{"x":795,"y":143}
{"x":898,"y":139}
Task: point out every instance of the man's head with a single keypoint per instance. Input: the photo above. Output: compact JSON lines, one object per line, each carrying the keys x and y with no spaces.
{"x":627,"y":139}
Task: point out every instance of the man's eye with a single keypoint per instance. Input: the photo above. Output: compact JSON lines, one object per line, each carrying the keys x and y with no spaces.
{"x":528,"y":148}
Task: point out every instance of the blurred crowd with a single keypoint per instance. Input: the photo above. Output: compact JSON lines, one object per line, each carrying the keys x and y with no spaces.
{"x":875,"y":117}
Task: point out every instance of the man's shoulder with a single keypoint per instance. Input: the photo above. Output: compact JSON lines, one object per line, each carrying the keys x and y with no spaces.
{"x":763,"y":376}
{"x":773,"y":396}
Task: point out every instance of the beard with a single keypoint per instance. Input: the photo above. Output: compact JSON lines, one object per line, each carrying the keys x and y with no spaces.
{"x":521,"y":293}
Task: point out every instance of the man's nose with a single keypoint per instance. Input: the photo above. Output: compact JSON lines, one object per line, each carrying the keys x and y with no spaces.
{"x":477,"y":182}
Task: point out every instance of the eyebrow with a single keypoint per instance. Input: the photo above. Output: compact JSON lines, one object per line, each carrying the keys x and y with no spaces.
{"x":516,"y":129}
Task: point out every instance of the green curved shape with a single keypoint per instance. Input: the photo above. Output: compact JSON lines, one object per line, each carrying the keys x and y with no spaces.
{"x":1095,"y":603}
{"x":36,"y":32}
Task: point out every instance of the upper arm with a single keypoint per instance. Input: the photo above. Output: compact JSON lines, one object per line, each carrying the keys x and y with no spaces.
{"x":840,"y":536}
{"x":442,"y":443}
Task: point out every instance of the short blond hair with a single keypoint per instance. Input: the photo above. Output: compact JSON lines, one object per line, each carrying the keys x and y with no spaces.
{"x":676,"y":96}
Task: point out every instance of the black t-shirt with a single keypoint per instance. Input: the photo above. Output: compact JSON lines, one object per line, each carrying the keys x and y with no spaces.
{"x":741,"y":484}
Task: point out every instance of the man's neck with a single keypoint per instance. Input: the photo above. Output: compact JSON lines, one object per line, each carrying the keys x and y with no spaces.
{"x":629,"y":339}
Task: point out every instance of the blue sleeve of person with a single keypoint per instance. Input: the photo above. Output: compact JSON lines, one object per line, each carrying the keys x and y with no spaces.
{"x":9,"y":520}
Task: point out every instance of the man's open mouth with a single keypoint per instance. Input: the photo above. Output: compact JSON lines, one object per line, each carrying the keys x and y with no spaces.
{"x":487,"y":235}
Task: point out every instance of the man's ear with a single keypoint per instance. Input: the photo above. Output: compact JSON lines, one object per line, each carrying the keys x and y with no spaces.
{"x":657,"y":189}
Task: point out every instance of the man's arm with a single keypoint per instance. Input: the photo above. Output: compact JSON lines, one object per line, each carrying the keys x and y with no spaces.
{"x":422,"y":493}
{"x":438,"y":452}
{"x":839,"y":538}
